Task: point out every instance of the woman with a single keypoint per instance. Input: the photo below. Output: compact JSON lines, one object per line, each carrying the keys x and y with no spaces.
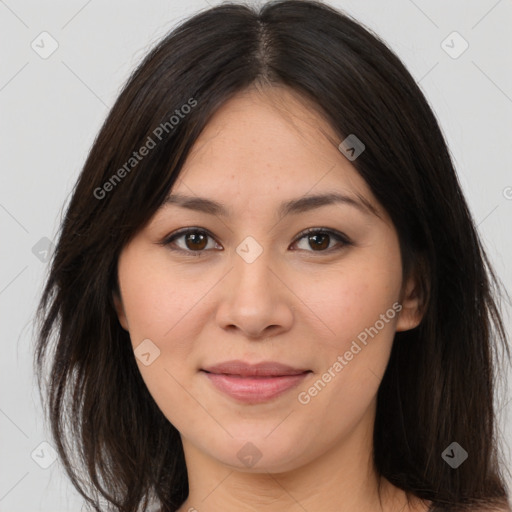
{"x":268,"y":290}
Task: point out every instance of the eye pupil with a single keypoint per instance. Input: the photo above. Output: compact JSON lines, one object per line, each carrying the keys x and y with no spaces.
{"x":321,"y":245}
{"x":194,"y":237}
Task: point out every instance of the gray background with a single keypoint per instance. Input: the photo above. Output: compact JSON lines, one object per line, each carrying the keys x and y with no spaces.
{"x":52,"y":108}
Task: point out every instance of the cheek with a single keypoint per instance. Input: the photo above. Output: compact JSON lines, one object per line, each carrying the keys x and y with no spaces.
{"x":358,"y":310}
{"x":352,"y":298}
{"x":159,"y":301}
{"x":161,"y":306}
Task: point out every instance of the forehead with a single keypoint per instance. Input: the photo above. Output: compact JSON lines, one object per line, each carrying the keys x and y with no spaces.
{"x":257,"y":122}
{"x":275,"y":127}
{"x":267,"y":141}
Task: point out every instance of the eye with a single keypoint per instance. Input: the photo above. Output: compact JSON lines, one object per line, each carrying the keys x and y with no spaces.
{"x":319,"y":239}
{"x":194,"y":241}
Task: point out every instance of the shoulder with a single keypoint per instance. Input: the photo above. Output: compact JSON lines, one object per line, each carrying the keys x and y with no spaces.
{"x":504,"y":508}
{"x":488,"y":508}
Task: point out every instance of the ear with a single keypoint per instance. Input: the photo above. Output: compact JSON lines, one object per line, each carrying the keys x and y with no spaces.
{"x":121,"y":315}
{"x":412,"y":302}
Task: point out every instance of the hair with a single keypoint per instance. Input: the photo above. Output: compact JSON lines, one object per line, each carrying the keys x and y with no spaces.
{"x":113,"y":440}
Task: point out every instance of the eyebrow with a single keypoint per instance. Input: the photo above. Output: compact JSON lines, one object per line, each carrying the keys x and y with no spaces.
{"x":294,"y":206}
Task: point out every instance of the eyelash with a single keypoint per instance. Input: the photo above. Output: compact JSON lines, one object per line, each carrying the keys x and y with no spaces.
{"x":340,"y":237}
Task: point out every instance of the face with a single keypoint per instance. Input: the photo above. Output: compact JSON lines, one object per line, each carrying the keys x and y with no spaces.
{"x":248,"y":282}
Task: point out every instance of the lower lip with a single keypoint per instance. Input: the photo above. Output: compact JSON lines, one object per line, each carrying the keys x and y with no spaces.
{"x":254,"y":390}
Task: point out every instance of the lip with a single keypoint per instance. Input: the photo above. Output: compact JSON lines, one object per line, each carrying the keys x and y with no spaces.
{"x":254,"y":383}
{"x":263,"y":369}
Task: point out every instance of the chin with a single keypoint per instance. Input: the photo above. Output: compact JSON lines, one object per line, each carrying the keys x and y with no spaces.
{"x":261,"y":454}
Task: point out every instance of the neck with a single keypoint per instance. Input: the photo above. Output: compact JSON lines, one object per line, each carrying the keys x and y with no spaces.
{"x":342,"y":479}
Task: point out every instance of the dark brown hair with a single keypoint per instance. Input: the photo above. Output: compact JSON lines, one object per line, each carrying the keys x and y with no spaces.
{"x":115,"y":443}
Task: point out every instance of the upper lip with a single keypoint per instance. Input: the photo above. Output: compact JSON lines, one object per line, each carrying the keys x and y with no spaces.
{"x":263,"y":369}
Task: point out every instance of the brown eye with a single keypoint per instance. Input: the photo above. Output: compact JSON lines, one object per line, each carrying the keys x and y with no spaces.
{"x":319,"y":240}
{"x":195,"y":241}
{"x":190,"y":240}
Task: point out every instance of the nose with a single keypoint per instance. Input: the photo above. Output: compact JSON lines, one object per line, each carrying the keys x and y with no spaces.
{"x":256,"y":301}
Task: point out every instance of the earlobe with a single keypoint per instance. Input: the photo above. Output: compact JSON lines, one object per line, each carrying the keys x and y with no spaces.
{"x":121,"y":315}
{"x":411,"y":313}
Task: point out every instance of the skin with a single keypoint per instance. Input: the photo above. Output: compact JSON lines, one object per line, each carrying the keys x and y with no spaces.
{"x":296,"y":303}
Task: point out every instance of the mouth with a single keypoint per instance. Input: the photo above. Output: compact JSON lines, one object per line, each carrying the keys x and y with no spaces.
{"x":254,"y":383}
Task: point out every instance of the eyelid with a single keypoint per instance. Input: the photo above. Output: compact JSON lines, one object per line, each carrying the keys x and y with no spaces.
{"x":339,"y":236}
{"x":181,"y":232}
